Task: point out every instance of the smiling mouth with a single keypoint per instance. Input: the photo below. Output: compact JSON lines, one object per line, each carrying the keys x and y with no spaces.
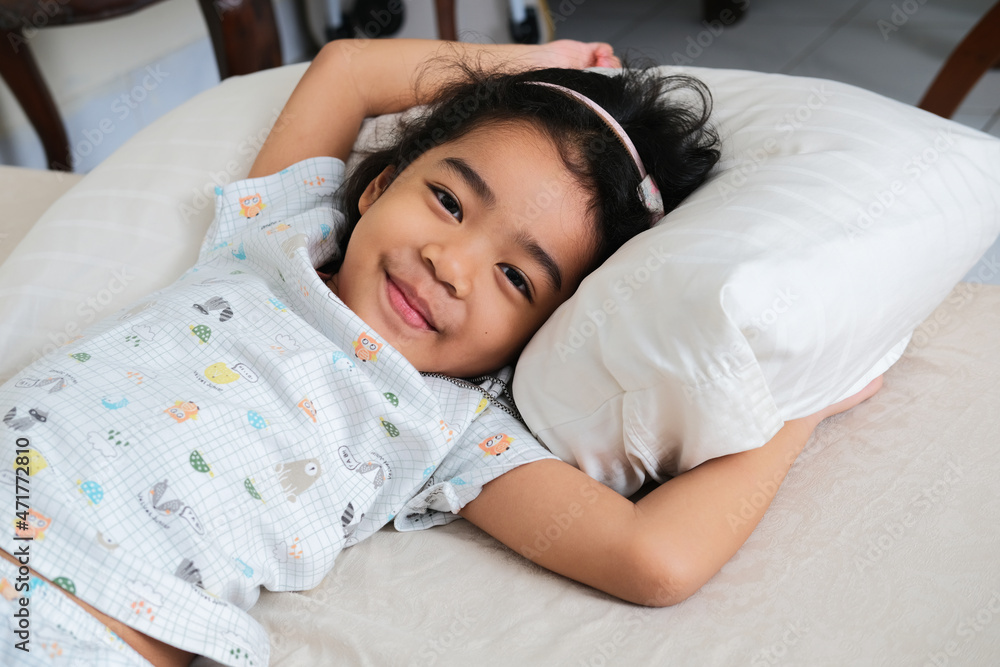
{"x":412,"y":313}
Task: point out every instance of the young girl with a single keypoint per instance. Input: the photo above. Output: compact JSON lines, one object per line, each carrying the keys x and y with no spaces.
{"x":244,"y":425}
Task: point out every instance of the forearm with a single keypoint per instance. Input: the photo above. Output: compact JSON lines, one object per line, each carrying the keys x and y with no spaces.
{"x":350,"y":80}
{"x":384,"y":73}
{"x":699,"y":519}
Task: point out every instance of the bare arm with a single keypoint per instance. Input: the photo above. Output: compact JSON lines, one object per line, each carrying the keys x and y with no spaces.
{"x":350,"y":80}
{"x":655,"y":552}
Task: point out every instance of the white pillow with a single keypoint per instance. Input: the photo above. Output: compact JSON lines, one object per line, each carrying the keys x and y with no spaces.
{"x":835,"y":222}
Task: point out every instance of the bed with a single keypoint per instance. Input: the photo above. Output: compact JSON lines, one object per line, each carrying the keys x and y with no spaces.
{"x":880,"y":548}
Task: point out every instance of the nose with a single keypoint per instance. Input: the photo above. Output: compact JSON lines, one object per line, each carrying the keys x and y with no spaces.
{"x":454,"y":263}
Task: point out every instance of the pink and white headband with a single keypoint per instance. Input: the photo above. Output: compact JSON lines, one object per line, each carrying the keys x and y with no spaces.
{"x":648,"y":190}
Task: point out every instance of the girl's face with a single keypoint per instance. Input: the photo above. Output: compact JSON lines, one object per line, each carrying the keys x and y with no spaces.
{"x":462,"y":257}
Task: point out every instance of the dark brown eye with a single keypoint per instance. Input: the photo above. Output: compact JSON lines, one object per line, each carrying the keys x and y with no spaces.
{"x":448,"y":203}
{"x":517,"y":279}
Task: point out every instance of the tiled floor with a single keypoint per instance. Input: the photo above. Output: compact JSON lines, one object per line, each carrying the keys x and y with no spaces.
{"x":874,"y":44}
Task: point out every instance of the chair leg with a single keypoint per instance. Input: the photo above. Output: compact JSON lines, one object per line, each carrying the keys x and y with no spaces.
{"x":244,"y":34}
{"x":19,"y":70}
{"x":445,"y":11}
{"x":979,"y":51}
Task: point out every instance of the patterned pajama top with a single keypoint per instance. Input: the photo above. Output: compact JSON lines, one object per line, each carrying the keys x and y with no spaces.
{"x":237,"y":429}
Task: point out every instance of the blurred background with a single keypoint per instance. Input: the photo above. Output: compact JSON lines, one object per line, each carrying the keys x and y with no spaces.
{"x":111,"y":78}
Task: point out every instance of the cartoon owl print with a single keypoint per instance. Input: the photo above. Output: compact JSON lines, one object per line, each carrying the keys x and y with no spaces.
{"x":182,"y":411}
{"x":37,"y":524}
{"x":496,"y":445}
{"x":366,"y":348}
{"x":251,"y":205}
{"x":307,"y":407}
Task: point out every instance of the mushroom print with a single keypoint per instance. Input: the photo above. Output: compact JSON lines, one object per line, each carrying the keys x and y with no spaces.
{"x":251,"y":489}
{"x":202,"y":332}
{"x":256,"y":420}
{"x":390,"y":428}
{"x":66,"y":584}
{"x":198,"y":463}
{"x":93,"y":491}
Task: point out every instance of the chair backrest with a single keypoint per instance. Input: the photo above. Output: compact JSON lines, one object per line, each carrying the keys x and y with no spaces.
{"x":979,"y":51}
{"x":243,"y":32}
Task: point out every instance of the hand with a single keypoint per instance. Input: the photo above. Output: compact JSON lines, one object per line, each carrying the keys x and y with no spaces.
{"x":870,"y":390}
{"x":571,"y":54}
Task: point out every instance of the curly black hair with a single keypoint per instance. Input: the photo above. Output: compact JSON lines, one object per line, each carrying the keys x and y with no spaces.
{"x":666,"y":118}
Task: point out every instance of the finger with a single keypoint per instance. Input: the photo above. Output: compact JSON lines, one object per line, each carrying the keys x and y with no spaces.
{"x":605,"y":55}
{"x":612,"y":61}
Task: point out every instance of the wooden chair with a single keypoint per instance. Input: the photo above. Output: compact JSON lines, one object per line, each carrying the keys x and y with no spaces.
{"x":979,"y":51}
{"x":243,"y":32}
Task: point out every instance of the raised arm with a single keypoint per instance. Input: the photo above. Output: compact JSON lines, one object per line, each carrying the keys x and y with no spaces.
{"x":350,"y":80}
{"x":657,"y":551}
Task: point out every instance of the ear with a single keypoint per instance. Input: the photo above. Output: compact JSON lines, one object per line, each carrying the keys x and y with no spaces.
{"x":375,"y":189}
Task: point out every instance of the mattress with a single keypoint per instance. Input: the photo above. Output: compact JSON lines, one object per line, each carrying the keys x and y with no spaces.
{"x":880,"y":548}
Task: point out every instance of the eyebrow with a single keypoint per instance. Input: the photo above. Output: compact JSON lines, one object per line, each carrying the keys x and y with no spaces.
{"x":472,"y":179}
{"x":544,"y":259}
{"x":524,"y":239}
